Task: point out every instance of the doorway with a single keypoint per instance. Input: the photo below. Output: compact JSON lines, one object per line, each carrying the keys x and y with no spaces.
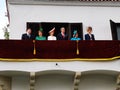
{"x":115,"y":29}
{"x":47,"y":26}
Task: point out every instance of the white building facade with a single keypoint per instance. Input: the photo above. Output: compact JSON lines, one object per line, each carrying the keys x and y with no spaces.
{"x":73,"y":75}
{"x":95,"y":14}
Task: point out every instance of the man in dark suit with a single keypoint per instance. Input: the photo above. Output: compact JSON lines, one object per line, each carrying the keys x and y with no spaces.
{"x":89,"y":35}
{"x":28,"y":35}
{"x":62,"y":35}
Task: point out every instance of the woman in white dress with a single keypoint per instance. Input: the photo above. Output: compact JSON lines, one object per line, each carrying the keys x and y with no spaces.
{"x":51,"y":34}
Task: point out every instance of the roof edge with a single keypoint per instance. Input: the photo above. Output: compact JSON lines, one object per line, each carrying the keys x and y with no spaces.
{"x":7,"y":11}
{"x":91,"y":3}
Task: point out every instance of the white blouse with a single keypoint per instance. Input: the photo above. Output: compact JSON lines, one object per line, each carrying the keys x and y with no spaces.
{"x":90,"y":36}
{"x":52,"y":38}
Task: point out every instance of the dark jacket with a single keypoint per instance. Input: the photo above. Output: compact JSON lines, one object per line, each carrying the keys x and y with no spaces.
{"x":26,"y":37}
{"x":87,"y":37}
{"x":60,"y":37}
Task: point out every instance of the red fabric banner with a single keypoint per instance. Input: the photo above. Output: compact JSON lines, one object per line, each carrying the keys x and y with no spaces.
{"x":23,"y":49}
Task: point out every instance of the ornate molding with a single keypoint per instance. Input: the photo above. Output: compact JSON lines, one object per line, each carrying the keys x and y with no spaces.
{"x":32,"y":80}
{"x":118,"y":82}
{"x":77,"y":80}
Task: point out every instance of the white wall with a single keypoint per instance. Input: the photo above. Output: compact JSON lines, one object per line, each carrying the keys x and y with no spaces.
{"x":65,"y":82}
{"x":97,"y":17}
{"x":20,"y":83}
{"x":54,"y":82}
{"x":80,"y":66}
{"x":97,"y":82}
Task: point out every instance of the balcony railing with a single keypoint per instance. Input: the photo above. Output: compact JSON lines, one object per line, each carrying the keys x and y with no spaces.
{"x":27,"y":50}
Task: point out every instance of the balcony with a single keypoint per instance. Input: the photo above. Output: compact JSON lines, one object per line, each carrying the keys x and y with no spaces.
{"x":27,"y":50}
{"x":65,"y":75}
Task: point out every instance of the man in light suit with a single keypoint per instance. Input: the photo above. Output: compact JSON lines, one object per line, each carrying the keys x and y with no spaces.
{"x":62,"y":35}
{"x":89,"y":35}
{"x":28,"y":35}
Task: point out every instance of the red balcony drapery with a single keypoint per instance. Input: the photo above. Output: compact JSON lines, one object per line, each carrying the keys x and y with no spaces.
{"x":58,"y":50}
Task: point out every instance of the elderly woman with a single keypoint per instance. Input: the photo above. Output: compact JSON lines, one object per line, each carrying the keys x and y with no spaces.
{"x":75,"y":36}
{"x":40,"y":35}
{"x":51,"y":34}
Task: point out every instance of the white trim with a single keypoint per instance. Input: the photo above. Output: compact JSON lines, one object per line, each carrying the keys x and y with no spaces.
{"x":65,"y":3}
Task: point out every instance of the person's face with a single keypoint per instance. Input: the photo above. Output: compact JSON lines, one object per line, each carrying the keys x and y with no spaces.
{"x":76,"y":35}
{"x":89,"y":31}
{"x":40,"y":33}
{"x":52,"y":33}
{"x":62,"y":30}
{"x":29,"y":31}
